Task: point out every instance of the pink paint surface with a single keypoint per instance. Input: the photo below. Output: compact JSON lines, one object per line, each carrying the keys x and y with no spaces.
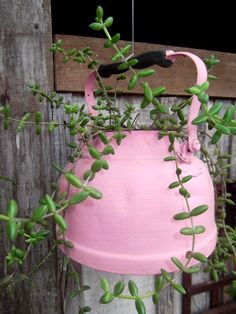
{"x":131,"y":230}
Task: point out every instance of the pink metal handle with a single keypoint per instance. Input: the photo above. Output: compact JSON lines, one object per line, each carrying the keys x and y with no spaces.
{"x":193,"y":143}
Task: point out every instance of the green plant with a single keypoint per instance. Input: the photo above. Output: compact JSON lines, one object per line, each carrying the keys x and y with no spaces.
{"x":34,"y":229}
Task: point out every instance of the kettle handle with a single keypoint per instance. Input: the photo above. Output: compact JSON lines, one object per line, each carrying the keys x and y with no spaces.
{"x":145,"y":60}
{"x":193,"y":143}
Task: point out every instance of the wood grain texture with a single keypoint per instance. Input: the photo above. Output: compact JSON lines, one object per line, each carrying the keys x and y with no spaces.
{"x":223,"y":309}
{"x":24,"y":58}
{"x":70,"y":77}
{"x":233,"y":158}
{"x":200,"y":302}
{"x":60,"y":152}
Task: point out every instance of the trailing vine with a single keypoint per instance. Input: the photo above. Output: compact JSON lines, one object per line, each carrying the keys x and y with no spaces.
{"x":169,"y":122}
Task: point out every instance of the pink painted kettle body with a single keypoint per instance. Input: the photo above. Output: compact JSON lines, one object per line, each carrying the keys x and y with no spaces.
{"x":131,"y":230}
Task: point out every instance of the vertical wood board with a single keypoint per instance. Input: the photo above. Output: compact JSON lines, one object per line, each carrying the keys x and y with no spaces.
{"x":25,"y":35}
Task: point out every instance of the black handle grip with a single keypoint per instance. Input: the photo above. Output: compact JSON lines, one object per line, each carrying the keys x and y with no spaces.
{"x":145,"y":60}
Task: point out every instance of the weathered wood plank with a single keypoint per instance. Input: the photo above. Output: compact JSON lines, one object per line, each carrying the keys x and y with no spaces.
{"x":200,"y":302}
{"x":60,"y":152}
{"x":23,"y":156}
{"x":233,"y":152}
{"x":223,"y":309}
{"x":24,"y":58}
{"x":70,"y":77}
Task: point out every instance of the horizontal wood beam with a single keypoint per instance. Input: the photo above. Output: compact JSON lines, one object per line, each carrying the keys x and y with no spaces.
{"x":223,"y":309}
{"x":70,"y":77}
{"x":210,"y":285}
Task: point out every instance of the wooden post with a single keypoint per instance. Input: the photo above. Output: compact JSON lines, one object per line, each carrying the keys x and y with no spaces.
{"x":186,"y":303}
{"x":24,"y":58}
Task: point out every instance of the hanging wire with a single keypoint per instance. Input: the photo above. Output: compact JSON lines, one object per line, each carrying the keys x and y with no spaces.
{"x":133,"y":52}
{"x":133,"y":45}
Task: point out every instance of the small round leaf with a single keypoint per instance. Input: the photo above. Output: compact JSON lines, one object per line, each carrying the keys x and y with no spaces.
{"x":199,"y":210}
{"x":119,"y":288}
{"x":140,"y":307}
{"x":79,"y":197}
{"x":97,"y":165}
{"x":60,"y":221}
{"x":109,"y":21}
{"x":106,"y":298}
{"x":199,"y":257}
{"x":133,"y":289}
{"x":12,"y":230}
{"x":12,"y":208}
{"x":96,"y":26}
{"x":104,"y":284}
{"x":181,"y":216}
{"x":73,"y":179}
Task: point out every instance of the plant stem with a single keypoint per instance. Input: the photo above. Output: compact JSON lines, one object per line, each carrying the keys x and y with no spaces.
{"x":130,"y":297}
{"x":43,"y":260}
{"x":189,"y":210}
{"x":7,"y":179}
{"x":116,"y":48}
{"x":30,"y":122}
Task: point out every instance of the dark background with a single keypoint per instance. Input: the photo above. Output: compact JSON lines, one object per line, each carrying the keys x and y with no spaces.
{"x":196,"y":24}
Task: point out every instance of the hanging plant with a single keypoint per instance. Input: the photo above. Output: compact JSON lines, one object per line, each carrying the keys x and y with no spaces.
{"x":105,"y":138}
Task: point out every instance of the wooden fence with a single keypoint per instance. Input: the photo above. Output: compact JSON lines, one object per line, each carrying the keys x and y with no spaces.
{"x":24,"y":57}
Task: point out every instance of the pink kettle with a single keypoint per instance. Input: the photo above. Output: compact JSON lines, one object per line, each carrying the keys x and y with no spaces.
{"x":131,"y":230}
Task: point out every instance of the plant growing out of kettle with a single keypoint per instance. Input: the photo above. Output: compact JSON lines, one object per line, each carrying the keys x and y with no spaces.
{"x":111,"y":126}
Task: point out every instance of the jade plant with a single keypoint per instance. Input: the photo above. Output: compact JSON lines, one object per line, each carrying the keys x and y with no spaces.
{"x":85,"y":127}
